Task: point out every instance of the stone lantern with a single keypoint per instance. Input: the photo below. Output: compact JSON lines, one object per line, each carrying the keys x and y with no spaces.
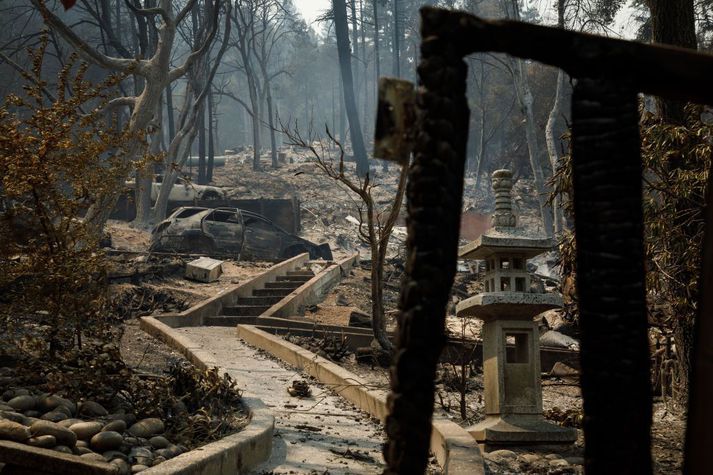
{"x":511,"y":349}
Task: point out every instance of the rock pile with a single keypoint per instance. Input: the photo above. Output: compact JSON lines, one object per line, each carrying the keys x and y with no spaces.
{"x":85,"y":429}
{"x":507,"y":461}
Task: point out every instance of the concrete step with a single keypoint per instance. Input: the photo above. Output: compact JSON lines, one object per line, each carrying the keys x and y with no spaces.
{"x":283,"y":285}
{"x":229,"y":321}
{"x":293,"y":278}
{"x":245,"y":310}
{"x":262,"y":300}
{"x":272,"y":292}
{"x":300,"y":272}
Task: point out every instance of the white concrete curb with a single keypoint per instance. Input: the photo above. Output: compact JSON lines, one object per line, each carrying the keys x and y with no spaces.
{"x":236,"y":453}
{"x":455,"y":449}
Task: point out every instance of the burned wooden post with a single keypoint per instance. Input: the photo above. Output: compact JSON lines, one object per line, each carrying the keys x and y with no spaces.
{"x":434,"y":194}
{"x":609,"y":231}
{"x":608,"y":202}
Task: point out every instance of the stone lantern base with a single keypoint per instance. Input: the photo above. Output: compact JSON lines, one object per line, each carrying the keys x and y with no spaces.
{"x":520,"y":429}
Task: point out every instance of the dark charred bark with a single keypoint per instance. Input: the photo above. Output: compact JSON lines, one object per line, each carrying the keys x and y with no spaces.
{"x":699,"y":437}
{"x":345,"y":66}
{"x":607,"y":177}
{"x":211,"y":142}
{"x":673,"y":23}
{"x":434,"y":202}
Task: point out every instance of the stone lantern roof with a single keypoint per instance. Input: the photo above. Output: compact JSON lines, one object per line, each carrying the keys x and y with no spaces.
{"x":505,"y":248}
{"x":505,"y":235}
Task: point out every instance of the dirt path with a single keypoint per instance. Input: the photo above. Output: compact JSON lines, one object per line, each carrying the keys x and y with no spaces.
{"x":311,"y":434}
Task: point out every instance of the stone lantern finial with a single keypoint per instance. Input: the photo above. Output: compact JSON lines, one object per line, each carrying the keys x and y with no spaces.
{"x":502,"y":185}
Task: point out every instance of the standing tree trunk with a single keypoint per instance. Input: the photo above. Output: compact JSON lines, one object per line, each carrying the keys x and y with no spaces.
{"x":524,"y":95}
{"x":673,"y":23}
{"x":434,"y":204}
{"x":607,"y":179}
{"x":557,"y":215}
{"x":397,"y":42}
{"x":271,"y":124}
{"x":211,"y":132}
{"x":345,"y":66}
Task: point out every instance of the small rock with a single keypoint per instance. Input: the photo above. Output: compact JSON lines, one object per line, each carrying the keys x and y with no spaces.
{"x":159,"y":442}
{"x":84,"y":450}
{"x":341,"y":300}
{"x":128,"y":418}
{"x":10,"y":430}
{"x":110,"y":455}
{"x":15,"y":417}
{"x":64,"y":449}
{"x":132,"y":441}
{"x":147,"y":427}
{"x":5,"y":407}
{"x":86,"y":430}
{"x":69,"y":422}
{"x":558,"y":463}
{"x":64,"y":410}
{"x":104,"y":441}
{"x":158,"y":460}
{"x":116,"y":426}
{"x":22,"y":403}
{"x":54,"y":416}
{"x":124,"y":467}
{"x":92,"y":409}
{"x":575,"y":460}
{"x":82,"y":443}
{"x":138,"y":468}
{"x":141,"y":456}
{"x":169,"y":452}
{"x":530,"y":458}
{"x":32,"y":413}
{"x":49,"y":403}
{"x":43,"y":441}
{"x":552,"y":456}
{"x":562,"y":370}
{"x":63,"y":435}
{"x":93,"y":456}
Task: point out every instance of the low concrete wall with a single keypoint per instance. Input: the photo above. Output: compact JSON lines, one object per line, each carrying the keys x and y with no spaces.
{"x":194,"y":316}
{"x":454,"y":448}
{"x":312,"y":291}
{"x":237,"y":453}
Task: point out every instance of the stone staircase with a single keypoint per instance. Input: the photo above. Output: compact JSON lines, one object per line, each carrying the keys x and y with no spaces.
{"x":247,"y":309}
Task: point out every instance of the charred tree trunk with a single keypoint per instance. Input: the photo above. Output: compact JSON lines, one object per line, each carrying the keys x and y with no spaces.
{"x":699,"y":437}
{"x":345,"y":66}
{"x":551,"y":140}
{"x":271,"y":125}
{"x":211,"y":143}
{"x":673,"y":23}
{"x":201,"y":149}
{"x":169,"y":114}
{"x":434,"y":203}
{"x":607,"y":177}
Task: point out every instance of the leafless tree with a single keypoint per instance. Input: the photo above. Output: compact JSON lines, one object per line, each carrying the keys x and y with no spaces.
{"x":375,"y":225}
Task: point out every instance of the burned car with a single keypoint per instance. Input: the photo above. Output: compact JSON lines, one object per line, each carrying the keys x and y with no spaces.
{"x":230,"y":231}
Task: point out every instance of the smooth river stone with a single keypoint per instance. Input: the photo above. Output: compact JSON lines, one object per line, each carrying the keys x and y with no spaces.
{"x":116,"y":426}
{"x":10,"y":430}
{"x":92,"y":409}
{"x":105,"y":441}
{"x":86,"y":430}
{"x":63,"y":435}
{"x":43,"y":441}
{"x":147,"y":427}
{"x":23,"y":403}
